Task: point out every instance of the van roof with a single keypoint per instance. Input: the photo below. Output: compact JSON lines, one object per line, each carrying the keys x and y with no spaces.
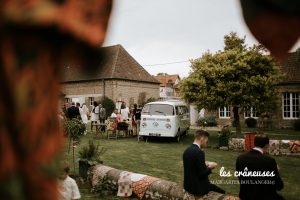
{"x":168,"y":102}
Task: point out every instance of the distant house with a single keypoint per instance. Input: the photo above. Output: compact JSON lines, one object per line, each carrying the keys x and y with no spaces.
{"x":118,"y":76}
{"x":288,"y":106}
{"x":168,"y":85}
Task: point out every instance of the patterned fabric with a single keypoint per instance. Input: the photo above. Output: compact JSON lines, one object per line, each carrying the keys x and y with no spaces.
{"x":124,"y":184}
{"x":136,"y":177}
{"x":274,"y":147}
{"x":84,"y":20}
{"x":99,"y":171}
{"x":38,"y":37}
{"x":237,"y":144}
{"x":295,"y":146}
{"x":141,"y":186}
{"x":285,"y":147}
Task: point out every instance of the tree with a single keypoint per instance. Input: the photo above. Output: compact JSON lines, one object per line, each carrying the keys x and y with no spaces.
{"x":109,"y":105}
{"x":162,"y":74}
{"x":237,"y":76}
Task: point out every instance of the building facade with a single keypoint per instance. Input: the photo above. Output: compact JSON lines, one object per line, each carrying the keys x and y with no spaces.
{"x":168,"y":85}
{"x":119,"y":77}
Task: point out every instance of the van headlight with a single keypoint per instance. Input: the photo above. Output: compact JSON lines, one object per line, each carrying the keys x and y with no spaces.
{"x":168,"y":126}
{"x":144,"y":125}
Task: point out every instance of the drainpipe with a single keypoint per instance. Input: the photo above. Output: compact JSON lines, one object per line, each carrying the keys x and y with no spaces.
{"x":103,"y":81}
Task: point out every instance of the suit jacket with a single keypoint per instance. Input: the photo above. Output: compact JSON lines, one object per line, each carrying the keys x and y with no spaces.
{"x":73,"y":112}
{"x":256,"y":161}
{"x":195,"y":171}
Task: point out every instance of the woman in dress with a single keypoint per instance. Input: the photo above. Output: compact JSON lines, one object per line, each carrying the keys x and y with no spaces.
{"x":84,"y":111}
{"x":94,"y":115}
{"x":124,"y":112}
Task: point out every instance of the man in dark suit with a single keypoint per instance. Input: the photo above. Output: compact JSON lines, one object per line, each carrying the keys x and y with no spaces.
{"x":72,"y":111}
{"x":196,"y":171}
{"x":264,"y":186}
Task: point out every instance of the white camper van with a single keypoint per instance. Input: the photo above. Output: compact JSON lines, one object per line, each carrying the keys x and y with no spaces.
{"x":164,"y":119}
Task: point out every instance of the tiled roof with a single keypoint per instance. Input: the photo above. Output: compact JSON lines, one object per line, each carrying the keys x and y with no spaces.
{"x":164,"y":79}
{"x":115,"y":63}
{"x":291,"y":68}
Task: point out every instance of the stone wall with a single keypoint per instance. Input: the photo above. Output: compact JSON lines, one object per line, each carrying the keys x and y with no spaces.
{"x":127,"y":91}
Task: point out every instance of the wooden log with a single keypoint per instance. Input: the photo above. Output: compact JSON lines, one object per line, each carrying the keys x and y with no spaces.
{"x":158,"y":190}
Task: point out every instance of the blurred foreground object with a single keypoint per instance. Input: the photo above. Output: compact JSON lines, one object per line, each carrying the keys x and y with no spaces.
{"x":274,"y":23}
{"x":38,"y":37}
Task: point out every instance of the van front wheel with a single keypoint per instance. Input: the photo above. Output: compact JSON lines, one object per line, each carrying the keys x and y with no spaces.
{"x":178,"y":138}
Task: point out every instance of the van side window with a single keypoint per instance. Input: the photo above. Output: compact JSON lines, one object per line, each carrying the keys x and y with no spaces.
{"x":186,"y":110}
{"x":177,"y":110}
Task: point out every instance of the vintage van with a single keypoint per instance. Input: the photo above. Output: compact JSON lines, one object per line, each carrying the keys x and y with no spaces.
{"x":164,"y":119}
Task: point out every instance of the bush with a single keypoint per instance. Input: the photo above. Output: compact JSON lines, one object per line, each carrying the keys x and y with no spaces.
{"x":91,"y":153}
{"x":109,"y":106}
{"x":105,"y":187}
{"x":207,"y":121}
{"x":224,"y":136}
{"x":297,"y":125}
{"x":202,"y":121}
{"x":251,"y":122}
{"x":211,"y":121}
{"x":74,"y":128}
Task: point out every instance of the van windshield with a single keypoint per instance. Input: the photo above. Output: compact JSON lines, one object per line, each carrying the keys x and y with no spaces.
{"x":158,"y":109}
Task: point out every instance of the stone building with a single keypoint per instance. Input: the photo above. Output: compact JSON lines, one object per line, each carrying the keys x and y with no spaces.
{"x":168,"y":85}
{"x":118,"y":76}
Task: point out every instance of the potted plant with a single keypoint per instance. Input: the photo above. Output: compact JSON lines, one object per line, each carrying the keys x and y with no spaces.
{"x":74,"y":128}
{"x":224,"y":136}
{"x":89,"y":155}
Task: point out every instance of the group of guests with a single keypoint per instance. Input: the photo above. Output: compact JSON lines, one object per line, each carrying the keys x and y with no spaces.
{"x":248,"y":167}
{"x":126,"y":115}
{"x":98,"y":114}
{"x":76,"y":111}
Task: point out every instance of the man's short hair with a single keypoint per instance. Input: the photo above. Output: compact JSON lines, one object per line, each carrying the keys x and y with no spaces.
{"x":261,"y":140}
{"x":65,"y":166}
{"x":201,"y":133}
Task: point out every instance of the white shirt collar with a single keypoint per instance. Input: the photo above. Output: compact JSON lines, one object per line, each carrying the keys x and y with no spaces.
{"x":258,"y":149}
{"x":197,"y":144}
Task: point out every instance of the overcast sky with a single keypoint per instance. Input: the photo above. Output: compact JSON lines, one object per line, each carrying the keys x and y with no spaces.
{"x":166,"y":31}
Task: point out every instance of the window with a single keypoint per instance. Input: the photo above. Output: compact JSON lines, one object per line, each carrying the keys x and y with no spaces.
{"x":158,"y":109}
{"x":91,"y":101}
{"x":290,"y":105}
{"x":224,"y":112}
{"x":68,"y":100}
{"x":250,"y":112}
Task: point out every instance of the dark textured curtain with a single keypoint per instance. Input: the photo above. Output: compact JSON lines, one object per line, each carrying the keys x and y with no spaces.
{"x":37,"y":39}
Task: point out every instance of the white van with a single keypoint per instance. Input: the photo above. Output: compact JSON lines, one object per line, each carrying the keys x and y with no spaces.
{"x":164,"y":119}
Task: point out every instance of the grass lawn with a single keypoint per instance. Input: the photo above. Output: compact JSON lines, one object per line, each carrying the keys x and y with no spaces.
{"x":163,"y":158}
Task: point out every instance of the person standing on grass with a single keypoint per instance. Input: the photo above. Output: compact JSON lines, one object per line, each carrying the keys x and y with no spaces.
{"x":258,"y":186}
{"x":196,"y":170}
{"x":102,"y":114}
{"x":84,"y":111}
{"x":136,"y":118}
{"x":67,"y":187}
{"x":124,"y":112}
{"x":94,"y":114}
{"x":73,"y":111}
